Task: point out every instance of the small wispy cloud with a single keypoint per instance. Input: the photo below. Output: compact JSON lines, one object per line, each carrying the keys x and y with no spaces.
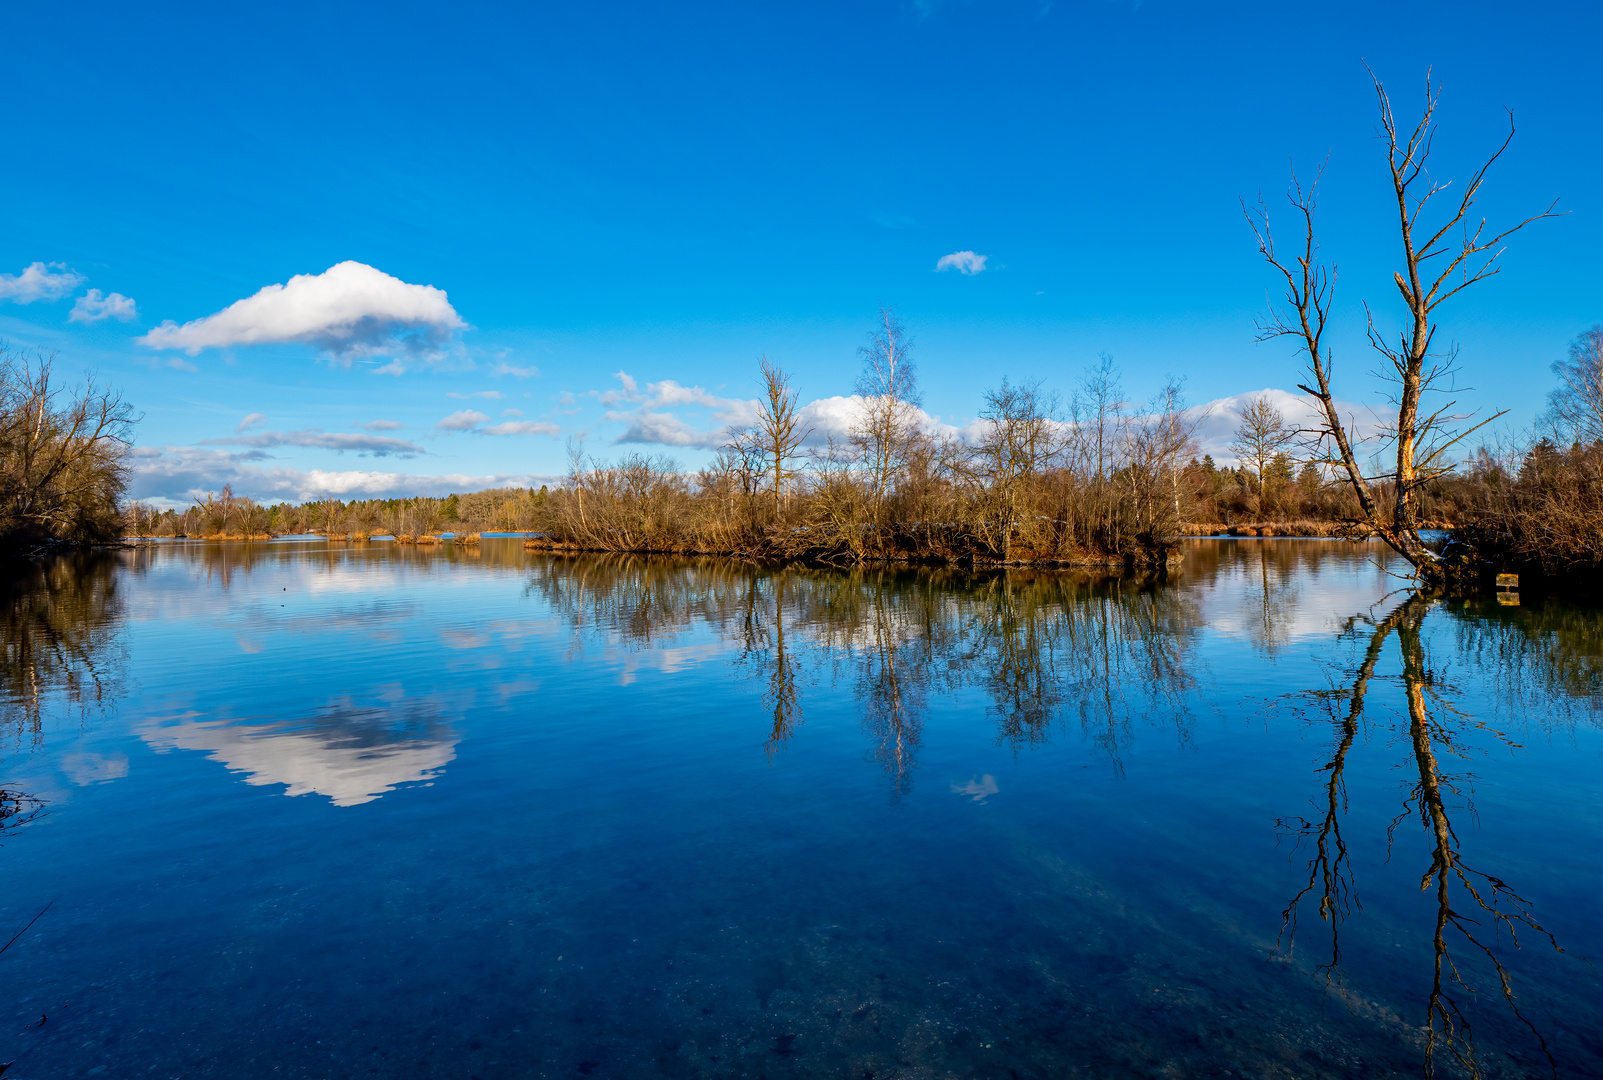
{"x":470,"y":419}
{"x":92,"y":307}
{"x":493,"y":395}
{"x":524,"y":427}
{"x":255,"y":419}
{"x":504,"y":368}
{"x":381,"y":425}
{"x":964,"y":262}
{"x":628,"y":390}
{"x":465,"y":420}
{"x":39,"y":281}
{"x":377,"y":445}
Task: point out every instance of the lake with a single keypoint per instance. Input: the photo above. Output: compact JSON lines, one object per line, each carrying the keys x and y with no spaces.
{"x":314,"y":811}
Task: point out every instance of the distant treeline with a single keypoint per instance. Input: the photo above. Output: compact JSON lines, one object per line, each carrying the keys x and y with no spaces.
{"x":230,"y":516}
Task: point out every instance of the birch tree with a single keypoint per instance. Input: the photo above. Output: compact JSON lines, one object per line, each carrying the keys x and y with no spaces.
{"x":1262,"y":434}
{"x":887,"y":430}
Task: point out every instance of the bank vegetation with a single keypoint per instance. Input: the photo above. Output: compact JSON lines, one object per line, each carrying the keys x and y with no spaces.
{"x":63,"y":457}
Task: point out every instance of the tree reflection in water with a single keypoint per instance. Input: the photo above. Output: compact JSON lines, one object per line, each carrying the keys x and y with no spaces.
{"x":63,"y":647}
{"x":1038,"y":645}
{"x":1473,"y":908}
{"x":762,"y":646}
{"x":1044,"y":654}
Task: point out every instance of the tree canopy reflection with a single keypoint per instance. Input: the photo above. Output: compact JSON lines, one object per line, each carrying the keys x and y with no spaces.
{"x":62,"y":631}
{"x":1041,"y":646}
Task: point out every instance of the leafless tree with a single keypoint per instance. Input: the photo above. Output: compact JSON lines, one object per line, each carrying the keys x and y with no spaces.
{"x":1575,"y":408}
{"x":887,"y":430}
{"x":1103,"y":416}
{"x":1019,"y":441}
{"x":63,"y":468}
{"x":778,"y":433}
{"x":1262,"y":435}
{"x":1156,"y":448}
{"x":1424,"y":431}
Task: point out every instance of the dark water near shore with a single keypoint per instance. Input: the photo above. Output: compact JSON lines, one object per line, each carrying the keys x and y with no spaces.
{"x":380,"y":812}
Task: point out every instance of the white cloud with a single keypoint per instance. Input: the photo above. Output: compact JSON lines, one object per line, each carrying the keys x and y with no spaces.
{"x":378,"y":445}
{"x":647,"y":423}
{"x":516,"y":372}
{"x":350,"y":310}
{"x":493,"y":395}
{"x":630,"y":390}
{"x":1217,"y":420}
{"x":465,"y":420}
{"x":650,"y":423}
{"x":836,"y":416}
{"x":965,"y":262}
{"x":470,"y":419}
{"x":381,"y":425}
{"x":39,"y":282}
{"x":93,"y":307}
{"x":524,"y":427}
{"x":176,"y":475}
{"x":253,"y":420}
{"x":665,"y":429}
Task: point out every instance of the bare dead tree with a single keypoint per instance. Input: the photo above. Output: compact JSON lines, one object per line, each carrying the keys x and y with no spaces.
{"x":1422,"y":434}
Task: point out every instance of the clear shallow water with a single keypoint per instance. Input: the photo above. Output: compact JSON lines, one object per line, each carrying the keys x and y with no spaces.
{"x":370,"y":812}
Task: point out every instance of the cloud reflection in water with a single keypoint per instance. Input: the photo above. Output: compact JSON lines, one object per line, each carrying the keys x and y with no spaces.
{"x":349,"y":752}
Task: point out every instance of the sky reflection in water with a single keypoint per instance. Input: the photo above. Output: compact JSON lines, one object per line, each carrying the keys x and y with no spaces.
{"x":631,"y":817}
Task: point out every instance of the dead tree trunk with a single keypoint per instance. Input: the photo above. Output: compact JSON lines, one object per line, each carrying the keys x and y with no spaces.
{"x":1424,"y":433}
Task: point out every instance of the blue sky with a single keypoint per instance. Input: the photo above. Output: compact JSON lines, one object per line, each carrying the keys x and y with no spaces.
{"x":670,"y":191}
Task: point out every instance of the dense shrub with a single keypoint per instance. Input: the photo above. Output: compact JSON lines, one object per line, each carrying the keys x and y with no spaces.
{"x":63,"y":457}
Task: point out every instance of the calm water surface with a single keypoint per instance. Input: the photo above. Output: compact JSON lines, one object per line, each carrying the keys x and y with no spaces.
{"x":377,"y":812}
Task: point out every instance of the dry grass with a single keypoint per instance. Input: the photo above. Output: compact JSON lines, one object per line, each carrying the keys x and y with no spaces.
{"x":1337,"y":530}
